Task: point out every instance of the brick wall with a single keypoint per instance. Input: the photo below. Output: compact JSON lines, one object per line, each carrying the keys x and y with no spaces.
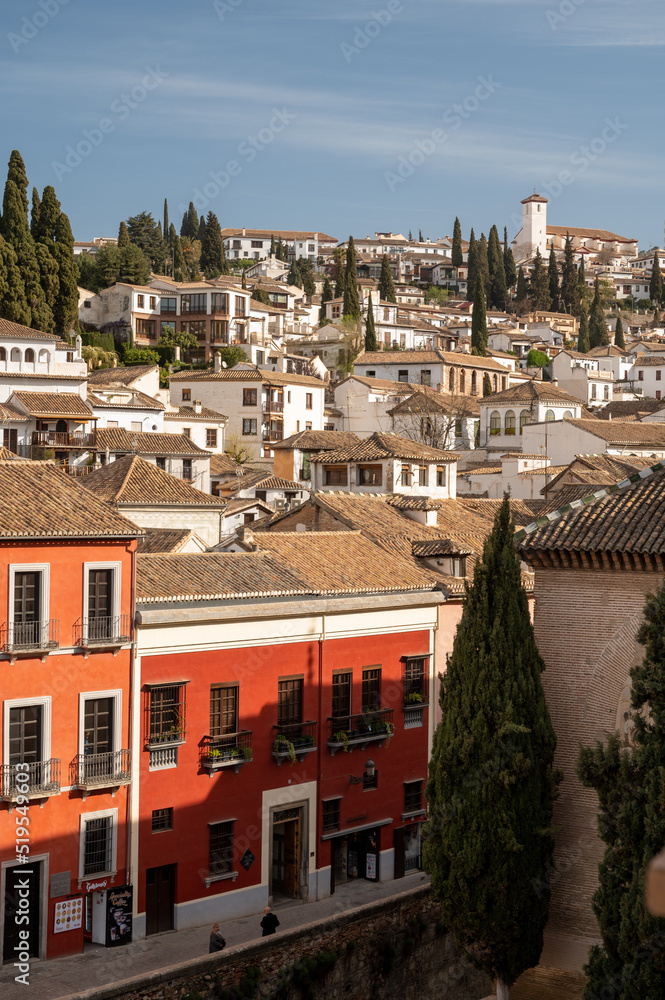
{"x":585,"y":624}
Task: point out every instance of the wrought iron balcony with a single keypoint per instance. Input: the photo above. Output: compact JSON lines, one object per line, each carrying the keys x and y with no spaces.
{"x":101,"y":770}
{"x":293,"y":741}
{"x":30,"y":638}
{"x":36,"y":780}
{"x":231,"y":750}
{"x":63,"y":439}
{"x":108,"y":630}
{"x":349,"y":731}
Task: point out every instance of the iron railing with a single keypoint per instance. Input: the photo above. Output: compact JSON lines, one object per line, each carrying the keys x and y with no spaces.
{"x":99,"y":769}
{"x":42,"y":777}
{"x":62,"y":439}
{"x":108,"y":629}
{"x":27,"y":637}
{"x":367,"y":727}
{"x":297,"y":738}
{"x":230,"y":749}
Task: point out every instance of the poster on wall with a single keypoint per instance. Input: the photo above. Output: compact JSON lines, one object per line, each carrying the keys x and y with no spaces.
{"x":68,"y":915}
{"x":370,"y":866}
{"x":119,"y":916}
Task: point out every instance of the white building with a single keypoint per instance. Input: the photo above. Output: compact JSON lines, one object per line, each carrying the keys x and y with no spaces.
{"x":253,"y":244}
{"x":564,"y":439}
{"x":446,"y":371}
{"x":581,"y":376}
{"x":646,"y":374}
{"x":504,"y":416}
{"x":522,"y":476}
{"x":204,"y":427}
{"x":536,"y":234}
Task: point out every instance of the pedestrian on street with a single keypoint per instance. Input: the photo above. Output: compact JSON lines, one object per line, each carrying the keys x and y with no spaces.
{"x":270,"y":923}
{"x":217,"y":942}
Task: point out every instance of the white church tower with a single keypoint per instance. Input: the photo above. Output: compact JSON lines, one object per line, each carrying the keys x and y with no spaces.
{"x":533,"y":233}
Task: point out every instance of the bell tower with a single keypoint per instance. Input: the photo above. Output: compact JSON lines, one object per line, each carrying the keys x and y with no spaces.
{"x":534,"y":224}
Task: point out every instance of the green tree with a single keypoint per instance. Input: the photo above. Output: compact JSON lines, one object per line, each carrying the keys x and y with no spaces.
{"x":140,"y":356}
{"x":260,"y":295}
{"x":170,"y":337}
{"x":583,"y":345}
{"x":508,"y":261}
{"x":487,"y":385}
{"x":629,"y":964}
{"x":540,"y":294}
{"x":13,"y":303}
{"x":281,"y":251}
{"x":48,"y":275}
{"x":471,"y":265}
{"x":191,"y":251}
{"x":619,"y":340}
{"x":569,"y":295}
{"x":598,"y":335}
{"x":294,"y":277}
{"x":34,"y":213}
{"x":232,"y":356}
{"x":326,"y":296}
{"x":65,"y":310}
{"x":86,"y":272}
{"x":47,"y":220}
{"x":537,"y":359}
{"x":166,"y":229}
{"x":273,"y":248}
{"x":498,"y":292}
{"x":522,"y":287}
{"x":482,"y":263}
{"x":386,"y":284}
{"x":123,"y":235}
{"x":190,"y":223}
{"x":146,"y":234}
{"x":338,"y":256}
{"x":41,"y":314}
{"x":479,"y":320}
{"x":491,"y":785}
{"x":15,"y":201}
{"x":656,"y":282}
{"x":457,"y":255}
{"x":553,"y":277}
{"x":212,"y":247}
{"x":308,"y":279}
{"x":581,"y":282}
{"x":202,"y":230}
{"x":177,"y":256}
{"x":420,"y":236}
{"x":370,"y":332}
{"x":351,"y":298}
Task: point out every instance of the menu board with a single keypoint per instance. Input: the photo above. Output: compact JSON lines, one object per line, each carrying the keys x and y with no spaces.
{"x":119,"y":916}
{"x":68,"y":915}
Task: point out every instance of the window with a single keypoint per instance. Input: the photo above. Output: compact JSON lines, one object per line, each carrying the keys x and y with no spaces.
{"x":186,"y":395}
{"x":211,"y":437}
{"x":249,"y":397}
{"x":462,"y":380}
{"x":166,"y":327}
{"x":426,"y":377}
{"x":658,"y":375}
{"x":495,"y":423}
{"x":341,"y":695}
{"x":593,"y":390}
{"x":403,"y":375}
{"x":219,"y":331}
{"x":112,"y":423}
{"x":451,"y":380}
{"x":413,"y":796}
{"x":524,"y":419}
{"x":371,"y":374}
{"x":414,"y":679}
{"x":369,"y":475}
{"x":249,"y":427}
{"x":136,"y":425}
{"x":248,"y":518}
{"x":335,"y":475}
{"x":458,"y":566}
{"x":26,"y":727}
{"x":308,"y":425}
{"x":30,"y":627}
{"x":153,"y":301}
{"x":162,"y":819}
{"x":370,"y":781}
{"x":98,"y":843}
{"x":223,"y":709}
{"x":219,"y":302}
{"x":640,"y":376}
{"x":257,"y":244}
{"x":140,"y":301}
{"x":239,"y":306}
{"x":371,"y":689}
{"x":197,"y":327}
{"x":168,"y":305}
{"x":440,"y":475}
{"x":101,"y":602}
{"x":331,"y":817}
{"x":474,"y":383}
{"x":29,"y":355}
{"x":549,"y":415}
{"x":161,"y":462}
{"x":166,"y":714}
{"x":336,"y":312}
{"x":606,"y":391}
{"x":187,"y":468}
{"x":510,"y":422}
{"x":237,"y":245}
{"x":289,"y":702}
{"x":309,"y":400}
{"x":405,"y":476}
{"x":657,"y":393}
{"x":220,"y":861}
{"x":194,"y":303}
{"x":422,"y":475}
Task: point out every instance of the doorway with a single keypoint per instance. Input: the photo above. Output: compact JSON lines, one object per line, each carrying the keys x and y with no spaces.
{"x":286,"y":853}
{"x":159,"y":899}
{"x":22,"y":886}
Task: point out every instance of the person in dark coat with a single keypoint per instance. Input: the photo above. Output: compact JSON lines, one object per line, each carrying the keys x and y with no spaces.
{"x":270,"y":923}
{"x":217,"y":942}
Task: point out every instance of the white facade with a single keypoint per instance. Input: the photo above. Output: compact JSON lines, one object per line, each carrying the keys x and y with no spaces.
{"x":388,"y":475}
{"x":533,"y":234}
{"x":503,"y":424}
{"x":562,"y":441}
{"x":253,"y":244}
{"x":647,"y":374}
{"x":523,"y":476}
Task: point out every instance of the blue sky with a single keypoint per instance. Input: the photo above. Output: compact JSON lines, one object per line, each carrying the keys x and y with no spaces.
{"x":338,"y":95}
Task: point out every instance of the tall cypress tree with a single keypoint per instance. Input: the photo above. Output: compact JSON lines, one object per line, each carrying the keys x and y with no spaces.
{"x":66,"y":306}
{"x":123,"y":235}
{"x":656,"y":283}
{"x":338,"y":255}
{"x":479,"y":320}
{"x":34,"y":213}
{"x":326,"y":296}
{"x":471,"y":265}
{"x":177,"y":256}
{"x":598,"y":335}
{"x":522,"y":287}
{"x":420,"y":236}
{"x":386,"y":284}
{"x":581,"y":282}
{"x":569,"y":294}
{"x":272,"y":246}
{"x":294,"y":277}
{"x":498,"y":293}
{"x":583,"y":345}
{"x":619,"y":340}
{"x":553,"y":277}
{"x":488,"y":839}
{"x":13,"y":303}
{"x":370,"y":332}
{"x":202,"y":229}
{"x":508,"y":261}
{"x":482,"y":263}
{"x":540,"y":293}
{"x":351,"y":298}
{"x":166,"y":229}
{"x":212,"y":247}
{"x":15,"y":200}
{"x":629,"y":964}
{"x":457,"y":255}
{"x":49,"y":213}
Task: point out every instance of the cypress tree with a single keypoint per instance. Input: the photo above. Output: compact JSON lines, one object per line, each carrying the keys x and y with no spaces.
{"x":244,"y":278}
{"x":15,"y":200}
{"x":553,"y":275}
{"x":420,"y":236}
{"x":273,"y":249}
{"x":41,"y":315}
{"x":123,"y":235}
{"x":65,"y":309}
{"x":488,"y":839}
{"x":410,"y":236}
{"x":583,"y":345}
{"x":479,"y":320}
{"x":569,"y":295}
{"x":472,"y":265}
{"x":629,"y":964}
{"x":386,"y":284}
{"x":179,"y":266}
{"x":308,"y":282}
{"x":34,"y":213}
{"x":201,"y":235}
{"x":457,"y":255}
{"x":370,"y":332}
{"x":522,"y":287}
{"x":49,"y":213}
{"x":13,"y":303}
{"x":656,"y":283}
{"x":212,"y":247}
{"x":166,"y":229}
{"x":339,"y":271}
{"x":540,"y":295}
{"x":482,"y":263}
{"x":498,"y":293}
{"x":326,"y":296}
{"x":49,"y":277}
{"x":294,"y":277}
{"x":351,"y":298}
{"x":508,"y":261}
{"x":487,"y":385}
{"x":133,"y":266}
{"x":619,"y":340}
{"x":183,"y":225}
{"x":598,"y":335}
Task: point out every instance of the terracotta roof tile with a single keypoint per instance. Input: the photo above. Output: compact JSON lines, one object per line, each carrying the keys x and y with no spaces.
{"x":117,"y":439}
{"x":318,"y":440}
{"x":206,"y":576}
{"x":54,"y":404}
{"x":247,"y":375}
{"x":162,"y":540}
{"x":120,"y":376}
{"x":189,"y":413}
{"x":133,"y":480}
{"x":621,"y":432}
{"x":378,"y":446}
{"x":528,"y":392}
{"x":9,"y":329}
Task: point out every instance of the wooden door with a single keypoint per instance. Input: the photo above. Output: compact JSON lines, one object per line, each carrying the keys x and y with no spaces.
{"x":292,"y":858}
{"x":159,"y":899}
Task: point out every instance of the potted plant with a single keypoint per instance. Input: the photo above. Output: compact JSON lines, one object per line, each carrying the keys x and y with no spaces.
{"x":283,"y":747}
{"x":341,"y":736}
{"x":415,"y":697}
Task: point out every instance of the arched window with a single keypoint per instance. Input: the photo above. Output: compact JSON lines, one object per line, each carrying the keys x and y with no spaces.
{"x":16,"y":354}
{"x":495,"y":422}
{"x":30,"y":355}
{"x":43,"y":355}
{"x":474,"y":383}
{"x":549,"y":415}
{"x":3,"y":354}
{"x":510,"y":422}
{"x":567,"y":413}
{"x":524,"y":419}
{"x":451,"y":380}
{"x":494,"y":383}
{"x":462,"y":387}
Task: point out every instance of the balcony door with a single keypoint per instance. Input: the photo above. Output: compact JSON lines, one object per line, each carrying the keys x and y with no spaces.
{"x":98,"y":726}
{"x":25,"y":735}
{"x":100,"y":603}
{"x":27,"y":593}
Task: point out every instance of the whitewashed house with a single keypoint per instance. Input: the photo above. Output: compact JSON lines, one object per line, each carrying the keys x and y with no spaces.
{"x":504,"y":416}
{"x":581,"y":376}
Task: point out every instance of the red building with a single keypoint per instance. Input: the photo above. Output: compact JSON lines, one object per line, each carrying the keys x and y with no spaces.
{"x":285,"y":724}
{"x":66,"y":600}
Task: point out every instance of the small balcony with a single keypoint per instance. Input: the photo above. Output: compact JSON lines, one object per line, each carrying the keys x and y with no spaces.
{"x":30,"y":638}
{"x":293,"y":741}
{"x":106,"y":632}
{"x":37,"y":780}
{"x":62,"y":439}
{"x":231,"y":750}
{"x":270,"y":406}
{"x":351,"y":731}
{"x":101,"y":770}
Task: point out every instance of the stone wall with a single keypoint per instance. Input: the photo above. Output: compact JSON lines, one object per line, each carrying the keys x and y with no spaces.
{"x":392,"y":948}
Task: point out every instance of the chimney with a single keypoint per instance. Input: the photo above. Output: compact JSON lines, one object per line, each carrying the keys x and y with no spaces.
{"x":79,"y":346}
{"x":176,"y":352}
{"x":244,"y":232}
{"x":218,"y":361}
{"x":197,"y":406}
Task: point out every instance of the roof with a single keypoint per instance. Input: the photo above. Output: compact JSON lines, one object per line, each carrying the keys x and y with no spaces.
{"x":223,"y":465}
{"x":199,"y":576}
{"x":529,"y":392}
{"x":189,"y":413}
{"x":120,"y":376}
{"x":38,"y":500}
{"x":606,"y":351}
{"x":318,"y":440}
{"x":533,"y":197}
{"x":284,"y":234}
{"x":429,"y":358}
{"x":593,"y":234}
{"x":246,"y":375}
{"x":235,"y":505}
{"x":139,"y":400}
{"x":630,"y":409}
{"x":422,"y":401}
{"x":622,"y":432}
{"x":133,"y":480}
{"x":649,"y":361}
{"x":379,"y":446}
{"x":117,"y":439}
{"x":261,"y":481}
{"x":164,"y":540}
{"x":21,"y":332}
{"x":7,"y":412}
{"x":438,"y":547}
{"x":67,"y":405}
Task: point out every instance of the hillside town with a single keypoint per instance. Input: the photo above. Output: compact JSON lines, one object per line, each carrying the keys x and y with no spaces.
{"x":246,"y":492}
